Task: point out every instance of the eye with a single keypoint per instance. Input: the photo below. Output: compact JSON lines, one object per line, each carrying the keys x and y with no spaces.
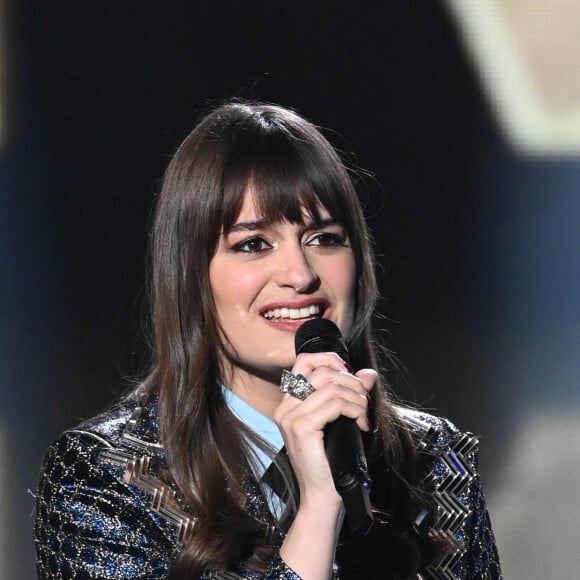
{"x":252,"y":245}
{"x":327,"y":239}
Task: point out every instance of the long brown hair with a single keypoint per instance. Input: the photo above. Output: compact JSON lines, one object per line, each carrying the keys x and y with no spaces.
{"x":291,"y":167}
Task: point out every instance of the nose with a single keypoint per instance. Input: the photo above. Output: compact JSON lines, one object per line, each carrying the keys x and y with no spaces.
{"x":296,"y":270}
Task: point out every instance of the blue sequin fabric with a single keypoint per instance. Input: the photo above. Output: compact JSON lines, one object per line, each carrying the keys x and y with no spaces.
{"x":105,"y":509}
{"x":455,"y":484}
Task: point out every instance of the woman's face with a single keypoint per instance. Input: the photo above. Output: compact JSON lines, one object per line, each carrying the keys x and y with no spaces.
{"x":268,"y":278}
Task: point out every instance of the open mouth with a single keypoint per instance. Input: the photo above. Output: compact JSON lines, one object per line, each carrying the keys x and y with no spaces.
{"x":312,"y":311}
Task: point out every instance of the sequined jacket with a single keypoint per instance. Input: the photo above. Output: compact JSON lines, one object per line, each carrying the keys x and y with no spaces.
{"x":104,"y":509}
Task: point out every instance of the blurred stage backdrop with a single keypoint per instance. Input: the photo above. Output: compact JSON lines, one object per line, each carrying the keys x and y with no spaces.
{"x":466,"y":113}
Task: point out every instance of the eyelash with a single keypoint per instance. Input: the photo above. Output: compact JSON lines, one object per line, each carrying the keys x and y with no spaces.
{"x":244,"y":246}
{"x":322,"y":239}
{"x":327,"y":239}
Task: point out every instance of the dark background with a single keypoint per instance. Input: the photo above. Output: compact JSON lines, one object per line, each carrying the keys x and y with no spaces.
{"x":479,"y":245}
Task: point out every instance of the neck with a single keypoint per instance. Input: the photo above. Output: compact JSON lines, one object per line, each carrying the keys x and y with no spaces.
{"x":262,"y":393}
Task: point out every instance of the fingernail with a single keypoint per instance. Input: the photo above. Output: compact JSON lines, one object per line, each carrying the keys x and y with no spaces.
{"x":348,"y":367}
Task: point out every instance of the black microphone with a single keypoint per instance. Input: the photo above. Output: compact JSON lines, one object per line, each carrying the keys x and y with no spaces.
{"x":342,"y":439}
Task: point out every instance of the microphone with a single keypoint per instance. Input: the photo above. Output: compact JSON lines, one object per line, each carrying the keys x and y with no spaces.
{"x":342,"y":438}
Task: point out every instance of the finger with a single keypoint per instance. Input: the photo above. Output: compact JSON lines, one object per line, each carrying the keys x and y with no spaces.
{"x":307,"y":362}
{"x":368,"y":378}
{"x":325,"y":375}
{"x":287,"y":405}
{"x":322,"y":410}
{"x":333,"y":398}
{"x":323,"y":393}
{"x":353,"y":393}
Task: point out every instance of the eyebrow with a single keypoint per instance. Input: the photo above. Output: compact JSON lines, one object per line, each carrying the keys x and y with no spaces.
{"x":263,"y":223}
{"x":249,"y":226}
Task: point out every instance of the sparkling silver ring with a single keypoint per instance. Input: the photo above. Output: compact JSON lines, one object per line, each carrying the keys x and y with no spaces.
{"x":295,"y":385}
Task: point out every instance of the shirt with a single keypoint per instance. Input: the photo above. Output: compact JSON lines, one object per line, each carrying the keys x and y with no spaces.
{"x":267,"y":430}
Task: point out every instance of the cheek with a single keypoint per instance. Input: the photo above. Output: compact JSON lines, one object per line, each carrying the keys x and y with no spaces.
{"x":339,"y":276}
{"x":221,"y":287}
{"x":351,"y":292}
{"x":234,"y":289}
{"x":345,"y":279}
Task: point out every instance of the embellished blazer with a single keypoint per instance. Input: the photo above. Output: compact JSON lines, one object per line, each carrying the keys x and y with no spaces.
{"x":106,"y":509}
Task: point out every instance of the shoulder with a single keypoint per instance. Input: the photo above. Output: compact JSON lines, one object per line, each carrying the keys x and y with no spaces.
{"x":418,"y":419}
{"x":128,"y":415}
{"x":435,"y":435}
{"x":88,"y":497}
{"x":449,"y":454}
{"x":86,"y":441}
{"x":107,"y":443}
{"x":97,"y":453}
{"x":128,"y":425}
{"x":85,"y":451}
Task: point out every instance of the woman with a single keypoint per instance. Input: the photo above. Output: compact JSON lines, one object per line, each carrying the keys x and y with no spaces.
{"x":257,"y":229}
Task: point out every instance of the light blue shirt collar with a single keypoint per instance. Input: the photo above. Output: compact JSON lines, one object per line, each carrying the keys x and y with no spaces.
{"x":259,"y":424}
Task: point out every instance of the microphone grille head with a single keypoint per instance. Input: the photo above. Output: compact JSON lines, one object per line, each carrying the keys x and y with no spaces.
{"x":320,"y":335}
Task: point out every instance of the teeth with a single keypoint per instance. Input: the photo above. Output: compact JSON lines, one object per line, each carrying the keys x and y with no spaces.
{"x":293,"y":313}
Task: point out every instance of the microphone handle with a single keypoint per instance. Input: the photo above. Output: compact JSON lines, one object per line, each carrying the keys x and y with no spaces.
{"x":346,"y":457}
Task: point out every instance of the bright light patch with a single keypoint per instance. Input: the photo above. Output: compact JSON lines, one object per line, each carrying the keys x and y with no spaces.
{"x":535,"y":509}
{"x":527,"y":54}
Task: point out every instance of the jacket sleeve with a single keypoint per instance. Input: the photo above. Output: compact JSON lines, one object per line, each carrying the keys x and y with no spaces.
{"x":480,"y":560}
{"x":277,"y":570}
{"x":89,"y":523}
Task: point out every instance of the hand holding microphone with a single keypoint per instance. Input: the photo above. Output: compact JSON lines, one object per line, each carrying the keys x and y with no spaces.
{"x":338,"y":409}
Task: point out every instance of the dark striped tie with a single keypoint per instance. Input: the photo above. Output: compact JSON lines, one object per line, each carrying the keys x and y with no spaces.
{"x":274,"y":478}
